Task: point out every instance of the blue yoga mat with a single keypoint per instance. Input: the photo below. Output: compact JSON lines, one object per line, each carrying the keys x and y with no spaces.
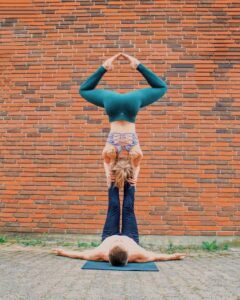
{"x":101,"y":265}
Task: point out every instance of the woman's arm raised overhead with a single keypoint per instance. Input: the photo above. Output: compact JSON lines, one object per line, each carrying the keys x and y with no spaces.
{"x":87,"y":89}
{"x":158,"y":86}
{"x":157,"y":90}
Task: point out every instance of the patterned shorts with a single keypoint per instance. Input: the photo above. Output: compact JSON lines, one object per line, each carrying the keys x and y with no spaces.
{"x":123,"y":139}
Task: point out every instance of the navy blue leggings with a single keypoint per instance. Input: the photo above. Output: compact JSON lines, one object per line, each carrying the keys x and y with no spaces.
{"x":129,"y":223}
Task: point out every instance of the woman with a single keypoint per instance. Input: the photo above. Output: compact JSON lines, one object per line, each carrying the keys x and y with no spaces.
{"x":122,"y":109}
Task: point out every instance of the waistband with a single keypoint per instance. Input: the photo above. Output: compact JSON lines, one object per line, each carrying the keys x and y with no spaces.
{"x":123,"y":133}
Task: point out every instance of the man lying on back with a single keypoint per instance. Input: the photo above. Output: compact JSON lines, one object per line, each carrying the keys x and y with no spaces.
{"x":120,"y":248}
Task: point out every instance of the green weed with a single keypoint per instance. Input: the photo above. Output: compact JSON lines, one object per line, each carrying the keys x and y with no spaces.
{"x":95,"y":244}
{"x":172,"y":249}
{"x":3,"y":239}
{"x":66,"y":244}
{"x":87,"y":244}
{"x":31,"y":242}
{"x":82,"y":244}
{"x":214,"y":246}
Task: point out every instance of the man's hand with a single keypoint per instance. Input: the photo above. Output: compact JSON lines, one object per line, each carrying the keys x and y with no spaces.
{"x":57,"y":251}
{"x":179,"y":255}
{"x":158,"y":257}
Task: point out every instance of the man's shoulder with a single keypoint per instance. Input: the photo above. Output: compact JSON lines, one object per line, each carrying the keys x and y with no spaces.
{"x":141,"y":256}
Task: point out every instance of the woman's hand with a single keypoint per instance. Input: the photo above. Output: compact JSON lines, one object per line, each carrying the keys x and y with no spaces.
{"x":133,"y":182}
{"x":108,"y":63}
{"x":110,"y":179}
{"x":134,"y":62}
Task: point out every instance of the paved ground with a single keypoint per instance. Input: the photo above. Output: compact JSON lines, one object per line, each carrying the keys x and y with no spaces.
{"x":31,"y":273}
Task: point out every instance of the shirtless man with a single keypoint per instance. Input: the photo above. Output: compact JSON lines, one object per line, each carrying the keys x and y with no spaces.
{"x":120,"y":248}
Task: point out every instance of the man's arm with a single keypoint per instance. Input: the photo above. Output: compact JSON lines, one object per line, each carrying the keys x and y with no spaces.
{"x":147,"y":256}
{"x":93,"y":254}
{"x":151,"y":256}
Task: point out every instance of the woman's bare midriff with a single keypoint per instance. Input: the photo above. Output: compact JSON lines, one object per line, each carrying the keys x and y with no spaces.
{"x":122,"y":126}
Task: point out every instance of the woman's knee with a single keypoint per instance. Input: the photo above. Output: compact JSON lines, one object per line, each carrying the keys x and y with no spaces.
{"x":136,"y":152}
{"x":109,"y":152}
{"x":136,"y":156}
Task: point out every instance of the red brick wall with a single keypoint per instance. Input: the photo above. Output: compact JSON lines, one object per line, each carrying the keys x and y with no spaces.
{"x":52,"y":177}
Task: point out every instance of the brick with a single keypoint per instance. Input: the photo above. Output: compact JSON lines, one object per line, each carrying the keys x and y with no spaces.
{"x":52,"y":175}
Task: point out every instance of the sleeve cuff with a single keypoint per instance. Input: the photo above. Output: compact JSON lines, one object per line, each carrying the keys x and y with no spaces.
{"x":102,"y":69}
{"x":140,"y":67}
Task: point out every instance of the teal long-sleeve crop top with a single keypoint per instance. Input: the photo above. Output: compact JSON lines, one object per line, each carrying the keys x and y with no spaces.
{"x":123,"y":106}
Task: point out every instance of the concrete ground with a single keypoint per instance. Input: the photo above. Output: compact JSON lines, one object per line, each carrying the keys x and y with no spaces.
{"x":33,"y":272}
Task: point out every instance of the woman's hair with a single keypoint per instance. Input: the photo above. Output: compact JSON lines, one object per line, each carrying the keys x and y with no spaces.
{"x":118,"y":256}
{"x":122,"y":170}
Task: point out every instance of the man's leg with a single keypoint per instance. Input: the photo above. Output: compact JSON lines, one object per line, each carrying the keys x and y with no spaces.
{"x":129,"y":223}
{"x":111,"y":226}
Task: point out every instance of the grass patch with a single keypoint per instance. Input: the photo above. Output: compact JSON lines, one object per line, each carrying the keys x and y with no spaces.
{"x":3,"y":239}
{"x":65,"y":244}
{"x":214,"y":246}
{"x":87,"y":244}
{"x":45,"y":241}
{"x":205,"y":246}
{"x":95,"y":244}
{"x":31,"y":242}
{"x":171,"y":248}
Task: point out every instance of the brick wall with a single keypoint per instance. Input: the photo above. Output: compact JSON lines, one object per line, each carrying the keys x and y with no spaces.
{"x":52,"y":177}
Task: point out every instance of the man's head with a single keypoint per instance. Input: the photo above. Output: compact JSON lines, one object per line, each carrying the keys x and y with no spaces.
{"x":118,"y":255}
